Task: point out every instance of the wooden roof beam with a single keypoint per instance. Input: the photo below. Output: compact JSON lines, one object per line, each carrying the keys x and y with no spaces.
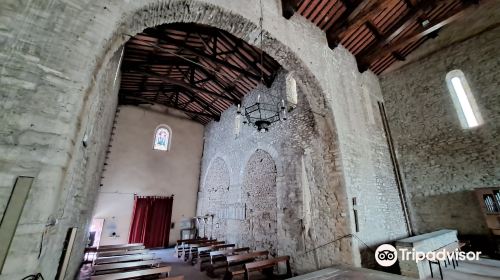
{"x":355,"y":16}
{"x":386,"y":45}
{"x":145,"y":100}
{"x":211,"y":76}
{"x":182,"y":84}
{"x":186,"y":48}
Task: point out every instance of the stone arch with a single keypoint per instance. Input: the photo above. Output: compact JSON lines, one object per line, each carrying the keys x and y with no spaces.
{"x":271,"y":151}
{"x":260,"y":197}
{"x":113,"y":26}
{"x":199,"y":11}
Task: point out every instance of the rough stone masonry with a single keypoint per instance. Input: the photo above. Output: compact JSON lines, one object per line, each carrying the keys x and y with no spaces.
{"x":57,"y":64}
{"x":442,"y":162}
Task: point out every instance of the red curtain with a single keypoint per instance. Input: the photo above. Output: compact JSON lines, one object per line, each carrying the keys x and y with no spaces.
{"x":151,"y":221}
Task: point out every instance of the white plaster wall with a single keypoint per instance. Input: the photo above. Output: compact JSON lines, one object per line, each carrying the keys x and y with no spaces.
{"x":133,"y":167}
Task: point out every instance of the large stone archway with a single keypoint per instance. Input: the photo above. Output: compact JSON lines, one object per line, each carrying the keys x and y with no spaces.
{"x":59,"y":76}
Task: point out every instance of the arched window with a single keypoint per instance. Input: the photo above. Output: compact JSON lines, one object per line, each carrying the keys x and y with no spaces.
{"x":463,"y":99}
{"x":162,"y":139}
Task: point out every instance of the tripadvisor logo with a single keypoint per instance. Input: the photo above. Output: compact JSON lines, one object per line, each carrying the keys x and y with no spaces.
{"x":387,"y":255}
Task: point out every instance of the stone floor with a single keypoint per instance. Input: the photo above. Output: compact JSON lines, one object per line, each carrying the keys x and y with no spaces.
{"x":484,"y":269}
{"x":179,"y":267}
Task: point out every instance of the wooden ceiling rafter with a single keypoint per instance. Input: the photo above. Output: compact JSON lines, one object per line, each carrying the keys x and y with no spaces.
{"x":196,"y":69}
{"x":369,"y":28}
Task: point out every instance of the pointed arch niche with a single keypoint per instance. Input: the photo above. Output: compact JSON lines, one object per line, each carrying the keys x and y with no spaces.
{"x":259,"y":192}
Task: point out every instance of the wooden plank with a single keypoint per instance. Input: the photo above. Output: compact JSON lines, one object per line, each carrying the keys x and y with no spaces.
{"x":120,"y":246}
{"x":356,"y":17}
{"x":67,"y":253}
{"x":212,"y":116}
{"x":124,"y":258}
{"x":259,"y":265}
{"x":266,"y":265}
{"x":180,"y":83}
{"x":12,"y":214}
{"x":386,"y":46}
{"x":245,"y":257}
{"x":121,"y":253}
{"x":218,"y":256}
{"x":233,"y":264}
{"x":98,"y":269}
{"x":133,"y":274}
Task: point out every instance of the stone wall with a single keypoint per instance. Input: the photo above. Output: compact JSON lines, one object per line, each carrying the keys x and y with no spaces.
{"x":266,"y":178}
{"x":54,"y":52}
{"x":311,"y":206}
{"x":259,"y":194}
{"x":441,"y":162}
{"x":39,"y":143}
{"x":216,"y":188}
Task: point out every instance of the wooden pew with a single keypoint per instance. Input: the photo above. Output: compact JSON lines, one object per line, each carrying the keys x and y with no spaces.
{"x":179,"y":247}
{"x":134,"y":274}
{"x":221,"y":255}
{"x":189,"y":244}
{"x":132,"y":246}
{"x":126,"y":258}
{"x":267,"y":267}
{"x":204,"y":253}
{"x":122,"y":266}
{"x":218,"y":259}
{"x":234,"y":263}
{"x":121,"y":253}
{"x":193,"y":251}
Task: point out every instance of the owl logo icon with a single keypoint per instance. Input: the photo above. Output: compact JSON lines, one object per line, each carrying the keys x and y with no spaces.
{"x":386,"y":255}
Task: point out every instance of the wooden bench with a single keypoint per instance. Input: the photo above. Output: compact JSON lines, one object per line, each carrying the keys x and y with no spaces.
{"x":204,"y":253}
{"x":267,"y":267}
{"x":110,"y":267}
{"x":187,"y":246}
{"x":235,"y":262}
{"x":120,"y":247}
{"x":193,"y":251}
{"x":134,"y":274}
{"x":124,"y":258}
{"x":121,"y":253}
{"x":218,"y":259}
{"x":181,"y":243}
{"x":221,"y":255}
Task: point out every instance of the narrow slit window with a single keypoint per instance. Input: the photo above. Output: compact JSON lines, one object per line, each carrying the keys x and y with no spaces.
{"x":463,"y":99}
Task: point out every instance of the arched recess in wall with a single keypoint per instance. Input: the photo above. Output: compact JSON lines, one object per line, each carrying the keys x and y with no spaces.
{"x":260,"y":197}
{"x":214,"y":190}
